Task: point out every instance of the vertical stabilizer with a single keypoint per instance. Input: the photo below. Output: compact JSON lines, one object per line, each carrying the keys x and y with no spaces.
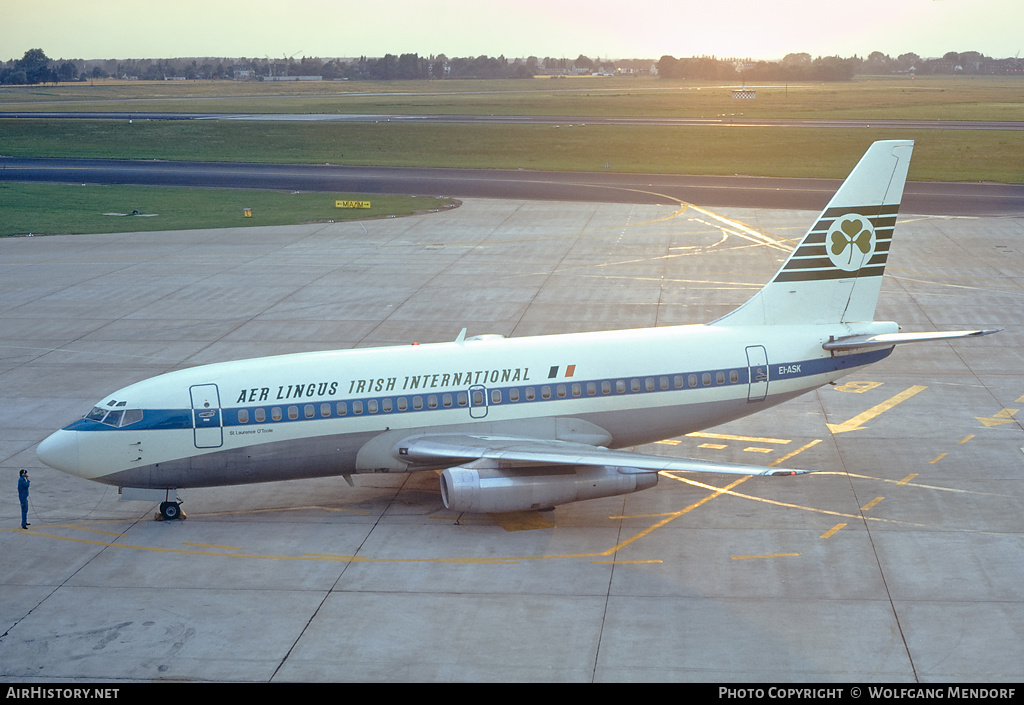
{"x":835,"y":273}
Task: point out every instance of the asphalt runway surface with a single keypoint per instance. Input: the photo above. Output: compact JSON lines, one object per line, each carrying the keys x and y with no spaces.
{"x":965,"y":199}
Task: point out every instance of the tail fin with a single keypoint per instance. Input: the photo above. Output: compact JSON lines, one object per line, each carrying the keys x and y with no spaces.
{"x":835,"y":273}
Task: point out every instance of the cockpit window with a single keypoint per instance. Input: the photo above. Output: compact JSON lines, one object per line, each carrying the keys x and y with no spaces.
{"x":116,"y":418}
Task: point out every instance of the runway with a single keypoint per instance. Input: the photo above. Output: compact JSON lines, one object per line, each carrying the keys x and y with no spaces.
{"x":966,"y":199}
{"x":899,"y":562}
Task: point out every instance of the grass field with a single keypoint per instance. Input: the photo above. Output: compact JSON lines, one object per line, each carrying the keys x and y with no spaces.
{"x":53,"y":209}
{"x":926,"y":98}
{"x":941,"y":155}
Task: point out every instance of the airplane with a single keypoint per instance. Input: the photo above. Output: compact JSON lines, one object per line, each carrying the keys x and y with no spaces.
{"x":514,"y":424}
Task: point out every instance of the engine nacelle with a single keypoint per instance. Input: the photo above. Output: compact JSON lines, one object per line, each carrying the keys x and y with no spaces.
{"x":485,"y":490}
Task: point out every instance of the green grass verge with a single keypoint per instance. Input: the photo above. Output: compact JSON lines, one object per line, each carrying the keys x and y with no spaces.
{"x":875,"y":97}
{"x":52,"y":209}
{"x":940,"y":155}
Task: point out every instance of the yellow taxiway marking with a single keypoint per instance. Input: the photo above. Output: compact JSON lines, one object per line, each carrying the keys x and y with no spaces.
{"x":753,"y":449}
{"x":655,"y":560}
{"x":727,"y":437}
{"x":937,"y":458}
{"x":856,"y":423}
{"x":965,"y":439}
{"x":713,"y":446}
{"x":834,"y":529}
{"x":871,"y":504}
{"x":857,"y":387}
{"x":907,"y":479}
{"x":767,"y":555}
{"x":998,"y":418}
{"x":211,"y":545}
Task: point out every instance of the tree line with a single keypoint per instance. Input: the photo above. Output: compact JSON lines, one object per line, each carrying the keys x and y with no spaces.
{"x":35,"y":67}
{"x":801,"y":67}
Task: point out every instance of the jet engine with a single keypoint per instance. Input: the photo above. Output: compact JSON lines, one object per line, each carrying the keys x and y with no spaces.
{"x":485,"y":490}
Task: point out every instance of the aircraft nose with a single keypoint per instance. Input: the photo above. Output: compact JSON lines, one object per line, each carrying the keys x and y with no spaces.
{"x":60,"y":451}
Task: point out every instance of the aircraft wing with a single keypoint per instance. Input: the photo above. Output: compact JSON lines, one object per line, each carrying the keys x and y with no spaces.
{"x":510,"y":451}
{"x":854,"y":342}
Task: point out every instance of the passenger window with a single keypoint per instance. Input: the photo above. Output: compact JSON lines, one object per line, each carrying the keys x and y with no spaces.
{"x":243,"y":416}
{"x":357,"y":407}
{"x":560,"y":390}
{"x":261,"y":415}
{"x":706,"y":379}
{"x":371,"y":406}
{"x":620,"y":385}
{"x":403,"y":404}
{"x":531,"y":394}
{"x":693,"y":380}
{"x":678,"y":381}
{"x":432,"y":401}
{"x":310,"y":411}
{"x":446,"y":401}
{"x":275,"y":413}
{"x":513,"y":394}
{"x":634,"y":385}
{"x":342,"y":408}
{"x":649,"y":384}
{"x":719,"y":378}
{"x":545,"y":392}
{"x":606,"y":387}
{"x":495,"y":396}
{"x":325,"y":410}
{"x":734,"y":376}
{"x":417,"y":403}
{"x":577,"y":390}
{"x":461,"y":398}
{"x":591,"y":389}
{"x":387,"y":405}
{"x":293,"y":412}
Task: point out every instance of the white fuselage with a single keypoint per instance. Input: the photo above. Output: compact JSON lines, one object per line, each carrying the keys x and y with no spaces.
{"x":318,"y":414}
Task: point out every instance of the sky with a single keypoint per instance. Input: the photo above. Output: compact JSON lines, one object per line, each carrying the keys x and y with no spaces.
{"x":758,"y":29}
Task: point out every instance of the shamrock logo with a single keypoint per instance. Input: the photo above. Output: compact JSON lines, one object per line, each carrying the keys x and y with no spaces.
{"x":850,"y":235}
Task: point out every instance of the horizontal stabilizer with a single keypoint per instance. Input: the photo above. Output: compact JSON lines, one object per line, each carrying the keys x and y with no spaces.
{"x":855,"y":342}
{"x":507,"y":451}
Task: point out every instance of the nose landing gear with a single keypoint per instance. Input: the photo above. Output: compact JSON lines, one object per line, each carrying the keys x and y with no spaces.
{"x":169,"y":511}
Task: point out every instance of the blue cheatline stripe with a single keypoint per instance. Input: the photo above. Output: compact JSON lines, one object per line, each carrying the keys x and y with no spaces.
{"x":161,"y":419}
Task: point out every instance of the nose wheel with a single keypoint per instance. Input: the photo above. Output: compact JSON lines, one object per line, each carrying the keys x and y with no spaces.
{"x":170,"y":511}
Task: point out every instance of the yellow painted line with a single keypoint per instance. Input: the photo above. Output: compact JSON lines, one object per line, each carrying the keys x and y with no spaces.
{"x":871,"y":504}
{"x":907,"y":479}
{"x":210,"y":545}
{"x":912,"y":484}
{"x":753,"y":449}
{"x":624,"y":562}
{"x":715,"y":446}
{"x":728,"y":437}
{"x":937,"y":458}
{"x":364,"y":559}
{"x":834,"y":529}
{"x":1000,"y":417}
{"x":669,"y":442}
{"x":799,"y":450}
{"x":856,"y":422}
{"x":1021,"y":400}
{"x":965,"y":439}
{"x":769,"y":555}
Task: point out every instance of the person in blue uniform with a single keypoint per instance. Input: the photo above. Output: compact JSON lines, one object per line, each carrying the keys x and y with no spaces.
{"x":23,"y":483}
